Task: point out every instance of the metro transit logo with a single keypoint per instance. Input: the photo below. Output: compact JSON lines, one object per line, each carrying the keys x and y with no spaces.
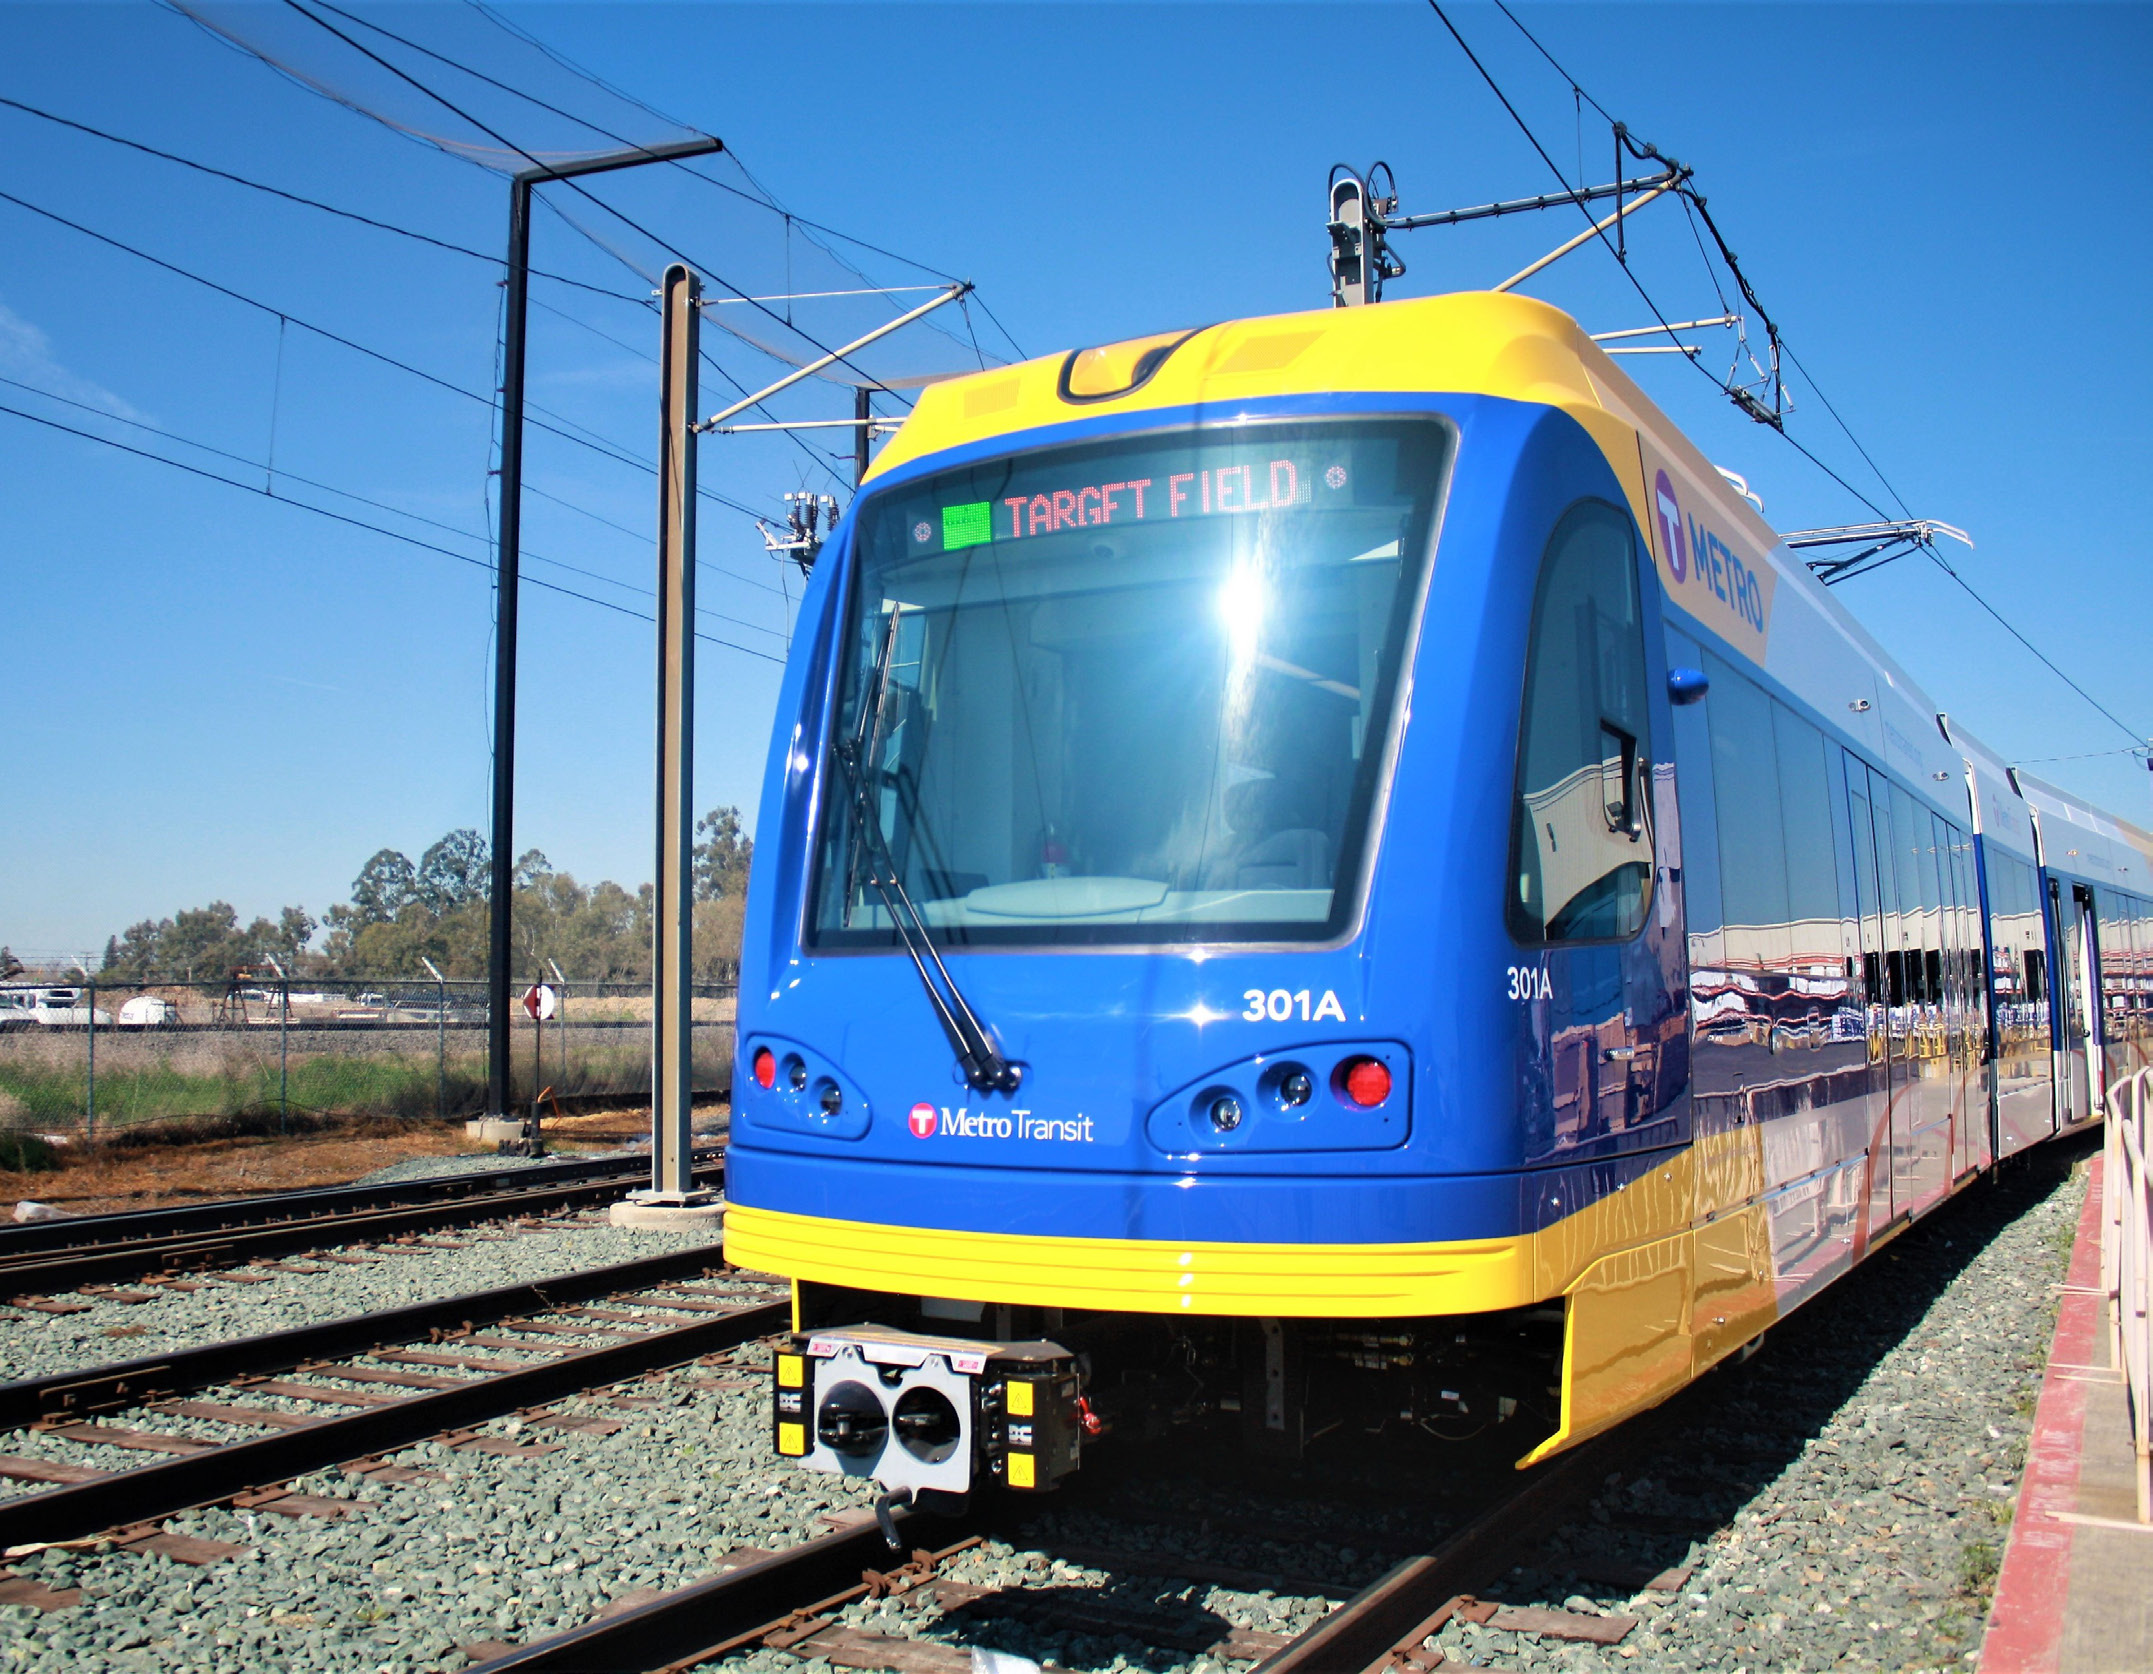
{"x":1671,"y":536}
{"x":923,"y":1120}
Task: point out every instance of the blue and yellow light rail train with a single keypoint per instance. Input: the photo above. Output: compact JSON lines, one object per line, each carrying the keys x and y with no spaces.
{"x":1331,"y":868}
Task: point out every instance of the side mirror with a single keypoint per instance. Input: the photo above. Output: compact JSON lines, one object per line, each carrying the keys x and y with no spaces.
{"x":1686,"y":685}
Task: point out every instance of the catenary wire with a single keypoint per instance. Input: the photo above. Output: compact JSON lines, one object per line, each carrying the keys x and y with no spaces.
{"x":358,"y":523}
{"x":574,"y":185}
{"x":399,"y":511}
{"x":563,"y":215}
{"x":555,"y":428}
{"x":2088,"y":755}
{"x":762,"y":196}
{"x":1741,"y":280}
{"x":1749,"y":295}
{"x":310,"y":203}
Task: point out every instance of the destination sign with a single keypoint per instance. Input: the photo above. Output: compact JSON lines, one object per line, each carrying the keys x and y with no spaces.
{"x":1269,"y":483}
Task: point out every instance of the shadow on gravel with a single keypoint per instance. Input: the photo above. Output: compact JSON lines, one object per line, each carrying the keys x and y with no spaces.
{"x":1730,"y":1435}
{"x":1129,"y":1615}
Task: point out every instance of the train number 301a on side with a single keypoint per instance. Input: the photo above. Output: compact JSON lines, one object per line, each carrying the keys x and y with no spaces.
{"x":1282,"y":1004}
{"x":1529,"y":982}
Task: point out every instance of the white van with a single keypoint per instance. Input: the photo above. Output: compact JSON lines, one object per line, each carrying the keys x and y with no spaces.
{"x":52,"y":1008}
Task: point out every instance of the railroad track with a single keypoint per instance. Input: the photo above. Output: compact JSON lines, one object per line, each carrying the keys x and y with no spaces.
{"x":354,"y":1391}
{"x":794,"y":1599}
{"x":39,"y":1260}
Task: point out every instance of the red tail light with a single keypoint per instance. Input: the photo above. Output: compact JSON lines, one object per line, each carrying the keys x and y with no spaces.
{"x":1366,"y":1081}
{"x":765,"y":1068}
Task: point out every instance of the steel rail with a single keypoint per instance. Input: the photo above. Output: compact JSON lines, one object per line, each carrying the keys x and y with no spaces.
{"x":175,"y":1220}
{"x":129,"y":1383}
{"x":217,"y":1474}
{"x":1395,"y":1611}
{"x":42,"y":1273}
{"x":723,"y":1613}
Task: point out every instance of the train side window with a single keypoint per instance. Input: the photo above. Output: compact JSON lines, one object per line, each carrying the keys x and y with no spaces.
{"x":1805,"y":807}
{"x":1581,"y":840}
{"x":1752,"y":821}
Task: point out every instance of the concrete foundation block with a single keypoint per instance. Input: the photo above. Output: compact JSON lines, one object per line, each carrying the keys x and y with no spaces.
{"x":638,"y":1213}
{"x":492,"y":1130}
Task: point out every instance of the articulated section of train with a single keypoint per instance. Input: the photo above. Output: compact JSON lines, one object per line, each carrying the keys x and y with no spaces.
{"x":1331,"y":871}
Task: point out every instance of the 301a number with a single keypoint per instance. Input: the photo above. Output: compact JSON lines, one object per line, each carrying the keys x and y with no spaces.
{"x":1528,"y":983}
{"x":1280,"y":1005}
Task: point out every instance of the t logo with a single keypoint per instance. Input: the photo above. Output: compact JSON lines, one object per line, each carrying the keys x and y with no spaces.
{"x":923,"y":1121}
{"x":1672,"y":543}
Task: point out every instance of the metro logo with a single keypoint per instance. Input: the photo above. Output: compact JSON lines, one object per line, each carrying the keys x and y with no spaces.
{"x":1670,"y":515}
{"x":1712,"y":553}
{"x":926,"y":1122}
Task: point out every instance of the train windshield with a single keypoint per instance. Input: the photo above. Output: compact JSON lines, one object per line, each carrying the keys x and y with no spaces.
{"x":1131,"y":691}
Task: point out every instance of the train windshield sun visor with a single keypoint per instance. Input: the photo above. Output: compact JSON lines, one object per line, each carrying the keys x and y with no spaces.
{"x":1134,"y":691}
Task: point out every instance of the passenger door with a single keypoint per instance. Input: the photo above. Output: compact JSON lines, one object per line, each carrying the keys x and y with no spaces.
{"x":1588,"y":853}
{"x":2071,"y":935}
{"x":1869,"y":815}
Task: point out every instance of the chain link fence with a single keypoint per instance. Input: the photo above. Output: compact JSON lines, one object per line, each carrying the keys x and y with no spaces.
{"x":91,"y":1059}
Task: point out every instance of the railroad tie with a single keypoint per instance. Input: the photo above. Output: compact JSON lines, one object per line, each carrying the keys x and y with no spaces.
{"x":461,"y":1362}
{"x":369,"y":1374}
{"x":479,"y":1340}
{"x":381,"y":1470}
{"x":502,"y":1447}
{"x":147,"y":1441}
{"x":286,"y":1504}
{"x":588,"y":1424}
{"x":20,"y":1589}
{"x":847,"y":1647}
{"x":20,"y":1468}
{"x":181,"y":1549}
{"x":274,"y":1417}
{"x":1547,"y":1624}
{"x":315,"y":1392}
{"x":553,"y":1330}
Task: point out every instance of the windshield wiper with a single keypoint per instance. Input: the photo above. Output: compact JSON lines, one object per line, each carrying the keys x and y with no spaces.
{"x":984,"y":1066}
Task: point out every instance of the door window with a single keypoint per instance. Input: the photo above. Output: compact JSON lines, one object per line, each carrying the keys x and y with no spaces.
{"x":1581,"y":848}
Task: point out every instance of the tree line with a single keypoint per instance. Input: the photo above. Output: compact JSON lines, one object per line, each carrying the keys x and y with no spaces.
{"x":402,"y":914}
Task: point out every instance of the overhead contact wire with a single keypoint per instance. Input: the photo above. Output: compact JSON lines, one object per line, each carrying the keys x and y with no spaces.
{"x":355,"y":522}
{"x":1741,"y":280}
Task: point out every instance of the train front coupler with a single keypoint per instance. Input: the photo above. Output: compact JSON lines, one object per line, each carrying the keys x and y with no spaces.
{"x":929,"y":1419}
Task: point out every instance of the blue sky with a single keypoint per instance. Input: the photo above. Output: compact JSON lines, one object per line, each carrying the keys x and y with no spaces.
{"x":1945,"y":207}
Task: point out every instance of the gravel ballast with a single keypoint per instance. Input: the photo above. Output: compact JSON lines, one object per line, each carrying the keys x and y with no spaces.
{"x":1851,"y":1487}
{"x":1842,"y":1496}
{"x":393,"y":1276}
{"x":485,"y":1162}
{"x":496,"y":1549}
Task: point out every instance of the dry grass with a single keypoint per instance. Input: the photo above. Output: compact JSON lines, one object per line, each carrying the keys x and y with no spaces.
{"x":103,"y":1180}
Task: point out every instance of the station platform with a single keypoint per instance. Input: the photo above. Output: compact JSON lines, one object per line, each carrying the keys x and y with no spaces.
{"x":2075,"y":1595}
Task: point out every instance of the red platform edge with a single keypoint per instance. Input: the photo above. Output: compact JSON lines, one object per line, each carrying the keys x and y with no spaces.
{"x":2025,"y":1628}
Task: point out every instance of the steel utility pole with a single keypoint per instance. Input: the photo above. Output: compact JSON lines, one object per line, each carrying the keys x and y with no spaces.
{"x":672,"y":1069}
{"x":499,"y":1015}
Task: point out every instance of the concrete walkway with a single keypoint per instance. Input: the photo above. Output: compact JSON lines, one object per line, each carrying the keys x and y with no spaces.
{"x":2076,"y":1592}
